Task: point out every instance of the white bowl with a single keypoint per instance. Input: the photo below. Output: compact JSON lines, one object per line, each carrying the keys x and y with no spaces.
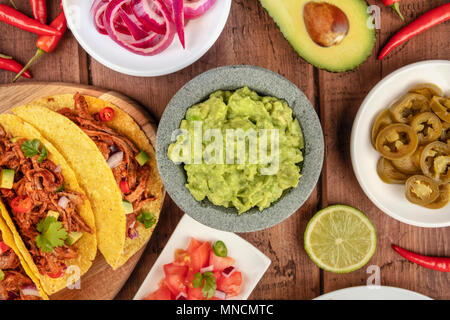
{"x":391,"y":198}
{"x":249,"y":260}
{"x":372,"y":293}
{"x":201,"y":34}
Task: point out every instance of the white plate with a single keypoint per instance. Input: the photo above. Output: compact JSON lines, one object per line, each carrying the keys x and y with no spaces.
{"x":201,"y":34}
{"x":373,"y":293}
{"x":249,"y":260}
{"x":391,"y":198}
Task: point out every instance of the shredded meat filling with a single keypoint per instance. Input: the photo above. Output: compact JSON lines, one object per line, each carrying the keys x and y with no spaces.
{"x":40,"y":181}
{"x":14,"y":279}
{"x":108,"y":142}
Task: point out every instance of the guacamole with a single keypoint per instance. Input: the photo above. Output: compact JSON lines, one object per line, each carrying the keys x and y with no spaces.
{"x":239,"y":149}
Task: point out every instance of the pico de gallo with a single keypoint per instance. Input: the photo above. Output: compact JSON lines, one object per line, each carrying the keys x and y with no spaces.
{"x":201,"y":272}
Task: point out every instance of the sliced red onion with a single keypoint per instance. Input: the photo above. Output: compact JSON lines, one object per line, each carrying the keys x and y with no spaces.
{"x":120,"y":25}
{"x":220,"y":295}
{"x":12,"y":295}
{"x":148,"y":13}
{"x":57,"y":169}
{"x":152,"y":44}
{"x":193,"y":8}
{"x":30,"y":290}
{"x":136,"y":30}
{"x":133,"y":234}
{"x":98,"y":11}
{"x":181,"y":296}
{"x":113,"y":148}
{"x":207,"y":269}
{"x":115,"y":159}
{"x":227,"y":272}
{"x":178,"y":16}
{"x":63,"y":202}
{"x":132,"y":225}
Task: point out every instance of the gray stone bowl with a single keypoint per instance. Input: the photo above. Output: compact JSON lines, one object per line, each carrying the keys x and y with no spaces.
{"x":264,"y":82}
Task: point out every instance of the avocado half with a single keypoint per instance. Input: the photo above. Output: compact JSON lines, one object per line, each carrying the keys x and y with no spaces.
{"x":347,"y":55}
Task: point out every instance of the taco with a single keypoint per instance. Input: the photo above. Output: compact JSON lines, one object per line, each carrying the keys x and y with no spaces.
{"x":114,"y":163}
{"x":46,"y":210}
{"x":17,"y":282}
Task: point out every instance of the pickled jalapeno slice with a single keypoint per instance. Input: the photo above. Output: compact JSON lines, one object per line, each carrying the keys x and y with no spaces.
{"x":441,"y":106}
{"x":396,"y":141}
{"x":427,"y":126}
{"x":435,"y":161}
{"x":404,"y":109}
{"x":421,"y":190}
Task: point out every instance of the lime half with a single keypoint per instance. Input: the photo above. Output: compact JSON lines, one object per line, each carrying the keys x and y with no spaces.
{"x":340,"y":239}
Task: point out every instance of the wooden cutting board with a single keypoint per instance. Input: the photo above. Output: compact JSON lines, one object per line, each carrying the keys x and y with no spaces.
{"x":100,"y":282}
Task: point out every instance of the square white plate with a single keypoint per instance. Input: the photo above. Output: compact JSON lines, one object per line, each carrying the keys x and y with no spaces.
{"x":249,"y":260}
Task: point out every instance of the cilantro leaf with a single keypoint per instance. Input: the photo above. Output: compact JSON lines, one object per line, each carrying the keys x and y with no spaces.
{"x":52,"y":234}
{"x":209,"y":289}
{"x":207,"y":282}
{"x":147,"y":219}
{"x":198,"y":280}
{"x":2,"y":275}
{"x":31,"y":148}
{"x":43,"y":154}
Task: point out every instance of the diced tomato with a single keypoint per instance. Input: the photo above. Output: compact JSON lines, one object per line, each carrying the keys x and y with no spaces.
{"x":3,"y":247}
{"x":193,"y":244}
{"x":200,"y":256}
{"x":163,"y":293}
{"x":195,"y":294}
{"x":231,"y":285}
{"x":175,"y":275}
{"x":124,"y":187}
{"x":217,"y":275}
{"x":220,"y":263}
{"x":181,"y":257}
{"x":106,"y":114}
{"x":21,"y":204}
{"x":189,"y":278}
{"x":56,"y":275}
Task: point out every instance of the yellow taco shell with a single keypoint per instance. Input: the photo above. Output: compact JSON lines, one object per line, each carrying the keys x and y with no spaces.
{"x":92,"y":171}
{"x":87,"y":245}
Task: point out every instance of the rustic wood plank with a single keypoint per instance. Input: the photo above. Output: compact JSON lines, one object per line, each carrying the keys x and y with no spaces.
{"x":292,"y":275}
{"x":340,"y":98}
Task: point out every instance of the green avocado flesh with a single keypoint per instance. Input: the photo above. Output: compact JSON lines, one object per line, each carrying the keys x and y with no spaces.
{"x":353,"y":50}
{"x":219,"y":174}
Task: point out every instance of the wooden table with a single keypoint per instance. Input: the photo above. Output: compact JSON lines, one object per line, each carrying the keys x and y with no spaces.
{"x":251,"y":37}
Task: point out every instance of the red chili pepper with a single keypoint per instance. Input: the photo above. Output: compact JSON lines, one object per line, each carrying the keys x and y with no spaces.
{"x":17,"y":19}
{"x":21,"y":204}
{"x":8,"y":63}
{"x":39,"y":8}
{"x":47,"y":44}
{"x":106,"y":114}
{"x":434,"y":263}
{"x":124,"y":187}
{"x":394,"y":4}
{"x":424,"y":22}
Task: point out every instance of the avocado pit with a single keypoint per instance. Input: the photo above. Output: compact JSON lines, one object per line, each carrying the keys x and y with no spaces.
{"x":327,"y":25}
